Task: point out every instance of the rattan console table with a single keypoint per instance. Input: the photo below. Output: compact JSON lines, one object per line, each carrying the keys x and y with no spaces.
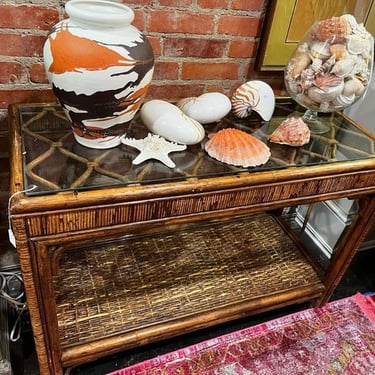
{"x":115,"y":256}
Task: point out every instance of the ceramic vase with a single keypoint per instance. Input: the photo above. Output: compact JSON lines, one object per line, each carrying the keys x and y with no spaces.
{"x":100,"y":68}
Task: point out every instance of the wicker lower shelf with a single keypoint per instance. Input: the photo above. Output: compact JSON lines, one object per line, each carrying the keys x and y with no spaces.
{"x":216,"y":270}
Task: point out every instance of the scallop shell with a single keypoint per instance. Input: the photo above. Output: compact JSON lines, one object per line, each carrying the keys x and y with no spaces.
{"x":333,"y":29}
{"x":327,"y":80}
{"x":293,"y":131}
{"x":255,"y":96}
{"x":207,"y":108}
{"x":167,"y":120}
{"x":236,"y":147}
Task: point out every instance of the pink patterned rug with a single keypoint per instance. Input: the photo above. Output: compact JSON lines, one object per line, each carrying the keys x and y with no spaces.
{"x":338,"y":338}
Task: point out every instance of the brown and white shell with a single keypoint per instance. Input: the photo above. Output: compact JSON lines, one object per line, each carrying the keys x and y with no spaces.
{"x":293,"y":131}
{"x":236,"y":147}
{"x":333,"y":29}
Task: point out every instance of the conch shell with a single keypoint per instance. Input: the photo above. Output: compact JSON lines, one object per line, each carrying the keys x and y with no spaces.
{"x":236,"y":147}
{"x":302,"y":60}
{"x":293,"y":131}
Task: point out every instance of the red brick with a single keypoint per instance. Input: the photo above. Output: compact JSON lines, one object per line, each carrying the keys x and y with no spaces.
{"x":22,"y":45}
{"x":213,"y":4}
{"x":247,"y":4}
{"x":239,"y":25}
{"x":25,"y":96}
{"x":204,"y":70}
{"x":28,"y":17}
{"x":155,"y":44}
{"x":137,"y":2}
{"x":139,"y":20}
{"x":165,"y":70}
{"x":190,"y":47}
{"x":180,"y":22}
{"x":173,"y":92}
{"x":242,"y":48}
{"x":38,"y":73}
{"x":12,"y":72}
{"x":180,"y":3}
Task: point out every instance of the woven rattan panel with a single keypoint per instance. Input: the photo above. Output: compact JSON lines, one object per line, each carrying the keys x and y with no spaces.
{"x":124,"y":285}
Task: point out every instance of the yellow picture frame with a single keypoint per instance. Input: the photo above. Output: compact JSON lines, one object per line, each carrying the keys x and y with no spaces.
{"x":288,"y":20}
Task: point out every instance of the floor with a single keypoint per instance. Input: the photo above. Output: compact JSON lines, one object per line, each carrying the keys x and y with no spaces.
{"x":360,"y":277}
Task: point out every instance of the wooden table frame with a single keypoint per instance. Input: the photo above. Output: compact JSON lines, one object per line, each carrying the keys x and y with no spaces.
{"x":41,"y":222}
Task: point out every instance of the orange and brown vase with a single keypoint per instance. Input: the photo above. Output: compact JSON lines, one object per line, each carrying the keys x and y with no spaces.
{"x":100,"y":68}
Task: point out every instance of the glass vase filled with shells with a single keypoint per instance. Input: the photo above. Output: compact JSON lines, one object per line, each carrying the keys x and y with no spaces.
{"x":330,"y":69}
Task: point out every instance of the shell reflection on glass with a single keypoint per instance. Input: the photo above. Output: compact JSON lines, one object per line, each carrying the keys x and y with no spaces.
{"x":254,"y":96}
{"x":331,"y":68}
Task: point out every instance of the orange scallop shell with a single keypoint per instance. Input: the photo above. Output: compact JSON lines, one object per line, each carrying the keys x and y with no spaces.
{"x":293,"y":131}
{"x":236,"y":147}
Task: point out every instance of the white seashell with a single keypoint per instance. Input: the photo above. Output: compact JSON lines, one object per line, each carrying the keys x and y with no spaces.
{"x":343,"y":100}
{"x":255,"y":96}
{"x":328,"y":94}
{"x":316,"y":64}
{"x":345,"y":67}
{"x":167,"y":120}
{"x":320,"y":50}
{"x":353,"y":87}
{"x":358,"y":43}
{"x":207,"y":108}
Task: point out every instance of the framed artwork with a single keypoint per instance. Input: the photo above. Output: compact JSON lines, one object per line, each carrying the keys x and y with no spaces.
{"x":287,"y":21}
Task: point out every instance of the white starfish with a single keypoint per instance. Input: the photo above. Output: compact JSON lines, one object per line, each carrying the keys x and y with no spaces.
{"x":153,"y":147}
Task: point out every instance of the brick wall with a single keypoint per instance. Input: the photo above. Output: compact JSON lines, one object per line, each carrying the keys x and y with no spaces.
{"x":199,"y":46}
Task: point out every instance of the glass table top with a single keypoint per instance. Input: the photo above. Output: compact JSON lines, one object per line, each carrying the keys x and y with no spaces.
{"x":54,"y":161}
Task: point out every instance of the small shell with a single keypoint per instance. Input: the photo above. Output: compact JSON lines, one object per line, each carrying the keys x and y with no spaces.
{"x":345,"y":67}
{"x":358,"y":44}
{"x":236,"y":147}
{"x":301,"y":62}
{"x":207,"y":108}
{"x":327,"y":80}
{"x":333,"y":29}
{"x":292,"y":132}
{"x":320,"y":50}
{"x":353,"y":87}
{"x":338,"y":50}
{"x":328,"y":94}
{"x":327,"y":65}
{"x":167,"y":120}
{"x":255,"y":96}
{"x":307,"y":78}
{"x":316,"y":64}
{"x":343,"y":100}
